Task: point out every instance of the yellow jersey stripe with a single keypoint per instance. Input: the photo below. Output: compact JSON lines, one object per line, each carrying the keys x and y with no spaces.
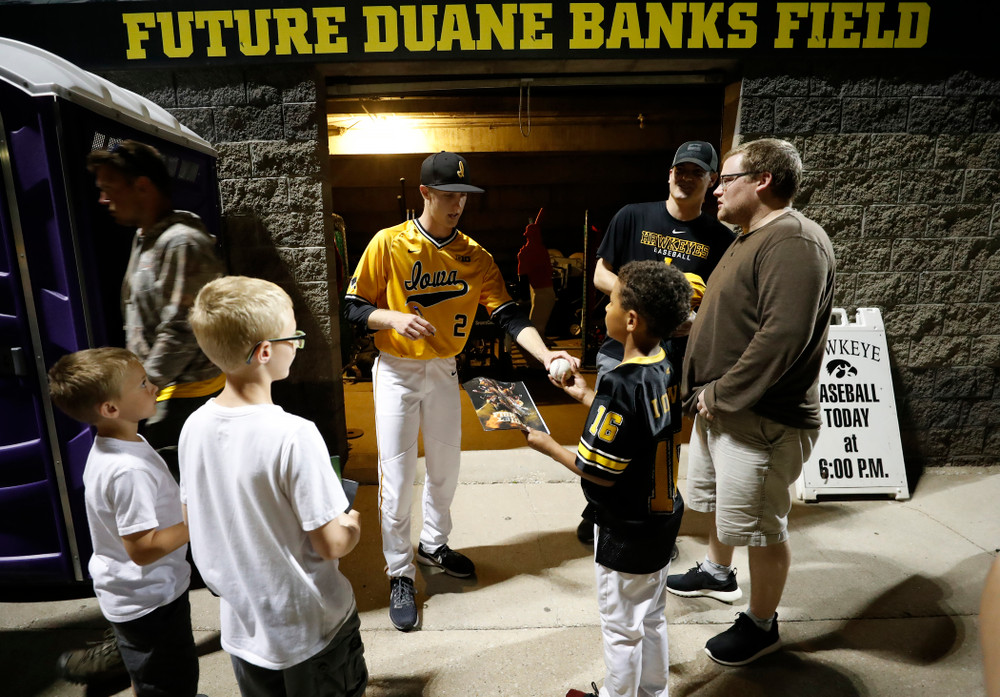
{"x":599,"y":459}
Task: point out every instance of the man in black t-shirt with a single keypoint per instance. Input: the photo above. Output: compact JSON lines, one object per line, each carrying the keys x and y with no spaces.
{"x":675,"y":231}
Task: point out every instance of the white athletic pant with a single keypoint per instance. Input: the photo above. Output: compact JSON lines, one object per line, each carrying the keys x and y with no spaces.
{"x":634,"y":629}
{"x":542,"y":302}
{"x":413,"y":396}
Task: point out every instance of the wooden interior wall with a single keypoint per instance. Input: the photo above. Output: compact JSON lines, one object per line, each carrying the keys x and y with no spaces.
{"x":594,"y":180}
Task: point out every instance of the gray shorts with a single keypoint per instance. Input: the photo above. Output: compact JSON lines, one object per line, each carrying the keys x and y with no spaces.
{"x":740,"y":466}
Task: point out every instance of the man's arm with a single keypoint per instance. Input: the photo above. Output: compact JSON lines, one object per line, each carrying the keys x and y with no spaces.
{"x":411,"y":326}
{"x":531,"y":341}
{"x":187,"y":266}
{"x":604,"y":277}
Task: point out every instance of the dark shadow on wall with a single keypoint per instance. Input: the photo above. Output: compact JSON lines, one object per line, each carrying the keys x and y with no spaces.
{"x":312,"y":386}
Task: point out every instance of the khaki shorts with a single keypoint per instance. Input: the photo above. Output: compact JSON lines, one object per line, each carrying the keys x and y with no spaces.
{"x":740,"y":466}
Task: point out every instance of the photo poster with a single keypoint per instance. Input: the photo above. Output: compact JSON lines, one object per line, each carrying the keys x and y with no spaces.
{"x":503,"y":405}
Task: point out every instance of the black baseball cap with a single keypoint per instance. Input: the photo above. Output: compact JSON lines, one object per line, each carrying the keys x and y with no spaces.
{"x":700,"y":153}
{"x":446,"y":171}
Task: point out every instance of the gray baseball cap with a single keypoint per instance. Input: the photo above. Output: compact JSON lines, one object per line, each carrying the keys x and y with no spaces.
{"x":700,"y":153}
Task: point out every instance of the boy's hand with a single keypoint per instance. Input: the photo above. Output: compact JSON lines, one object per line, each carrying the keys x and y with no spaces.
{"x":575,"y":385}
{"x":539,"y":440}
{"x":351,"y":519}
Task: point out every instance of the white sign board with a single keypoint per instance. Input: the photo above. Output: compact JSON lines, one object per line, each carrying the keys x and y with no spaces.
{"x":859,"y":450}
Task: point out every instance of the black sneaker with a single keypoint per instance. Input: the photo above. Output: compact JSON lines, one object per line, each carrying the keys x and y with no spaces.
{"x":578,"y":693}
{"x":698,"y":583}
{"x":585,"y":532}
{"x":743,"y":642}
{"x":451,"y":562}
{"x":99,"y":662}
{"x":402,"y":606}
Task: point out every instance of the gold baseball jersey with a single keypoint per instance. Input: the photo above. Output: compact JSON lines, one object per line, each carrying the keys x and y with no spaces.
{"x":444,"y":281}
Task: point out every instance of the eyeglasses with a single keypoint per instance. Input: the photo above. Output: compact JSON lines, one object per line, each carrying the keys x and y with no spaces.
{"x":726,"y":179}
{"x":298,"y":341}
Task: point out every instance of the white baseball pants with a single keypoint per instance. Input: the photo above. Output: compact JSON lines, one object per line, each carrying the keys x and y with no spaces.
{"x":634,"y":630}
{"x":413,"y":396}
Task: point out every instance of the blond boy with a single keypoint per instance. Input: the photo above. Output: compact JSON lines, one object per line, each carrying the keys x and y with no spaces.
{"x":268,"y":517}
{"x":141,"y":577}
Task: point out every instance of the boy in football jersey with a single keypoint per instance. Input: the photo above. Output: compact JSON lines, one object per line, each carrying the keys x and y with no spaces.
{"x":628,"y":477}
{"x":676,"y":231}
{"x":417,"y":287}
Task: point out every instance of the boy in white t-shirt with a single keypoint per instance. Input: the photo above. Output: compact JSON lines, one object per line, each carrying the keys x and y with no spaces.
{"x":268,"y":515}
{"x":136,"y":524}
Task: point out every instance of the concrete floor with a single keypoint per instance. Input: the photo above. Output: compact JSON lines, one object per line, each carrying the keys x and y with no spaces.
{"x":882,"y":598}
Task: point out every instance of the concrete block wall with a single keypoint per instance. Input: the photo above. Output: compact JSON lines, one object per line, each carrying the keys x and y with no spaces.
{"x":268,"y":125}
{"x":904,"y":174}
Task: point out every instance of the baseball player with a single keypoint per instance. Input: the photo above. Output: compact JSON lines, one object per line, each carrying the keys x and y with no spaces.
{"x":417,"y":286}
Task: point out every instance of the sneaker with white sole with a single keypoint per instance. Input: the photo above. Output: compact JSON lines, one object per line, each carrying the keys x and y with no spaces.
{"x":697,"y":583}
{"x":402,"y":604}
{"x":445,"y":558}
{"x":744,"y":642}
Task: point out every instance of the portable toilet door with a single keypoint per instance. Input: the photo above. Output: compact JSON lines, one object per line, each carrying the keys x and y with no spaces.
{"x":61,"y":264}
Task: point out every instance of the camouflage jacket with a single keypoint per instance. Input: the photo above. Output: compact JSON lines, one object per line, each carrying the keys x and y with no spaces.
{"x":169,"y":264}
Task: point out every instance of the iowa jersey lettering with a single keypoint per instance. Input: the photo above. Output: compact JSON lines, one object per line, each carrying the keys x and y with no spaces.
{"x":419,"y":280}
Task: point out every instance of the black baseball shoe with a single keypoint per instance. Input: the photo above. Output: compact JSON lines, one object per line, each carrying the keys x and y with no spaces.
{"x":744,"y":642}
{"x":99,"y":662}
{"x":697,"y":582}
{"x":402,"y":606}
{"x":448,"y":560}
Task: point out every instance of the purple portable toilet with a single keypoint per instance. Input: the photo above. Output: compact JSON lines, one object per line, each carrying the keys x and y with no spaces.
{"x":62,"y":260}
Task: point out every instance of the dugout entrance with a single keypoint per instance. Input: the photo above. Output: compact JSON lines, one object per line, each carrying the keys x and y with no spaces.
{"x":578,"y":144}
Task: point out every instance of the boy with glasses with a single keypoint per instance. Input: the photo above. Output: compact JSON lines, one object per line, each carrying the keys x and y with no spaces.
{"x":268,"y":517}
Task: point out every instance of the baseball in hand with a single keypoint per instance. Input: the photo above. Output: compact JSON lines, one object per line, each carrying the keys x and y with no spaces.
{"x":560,"y":369}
